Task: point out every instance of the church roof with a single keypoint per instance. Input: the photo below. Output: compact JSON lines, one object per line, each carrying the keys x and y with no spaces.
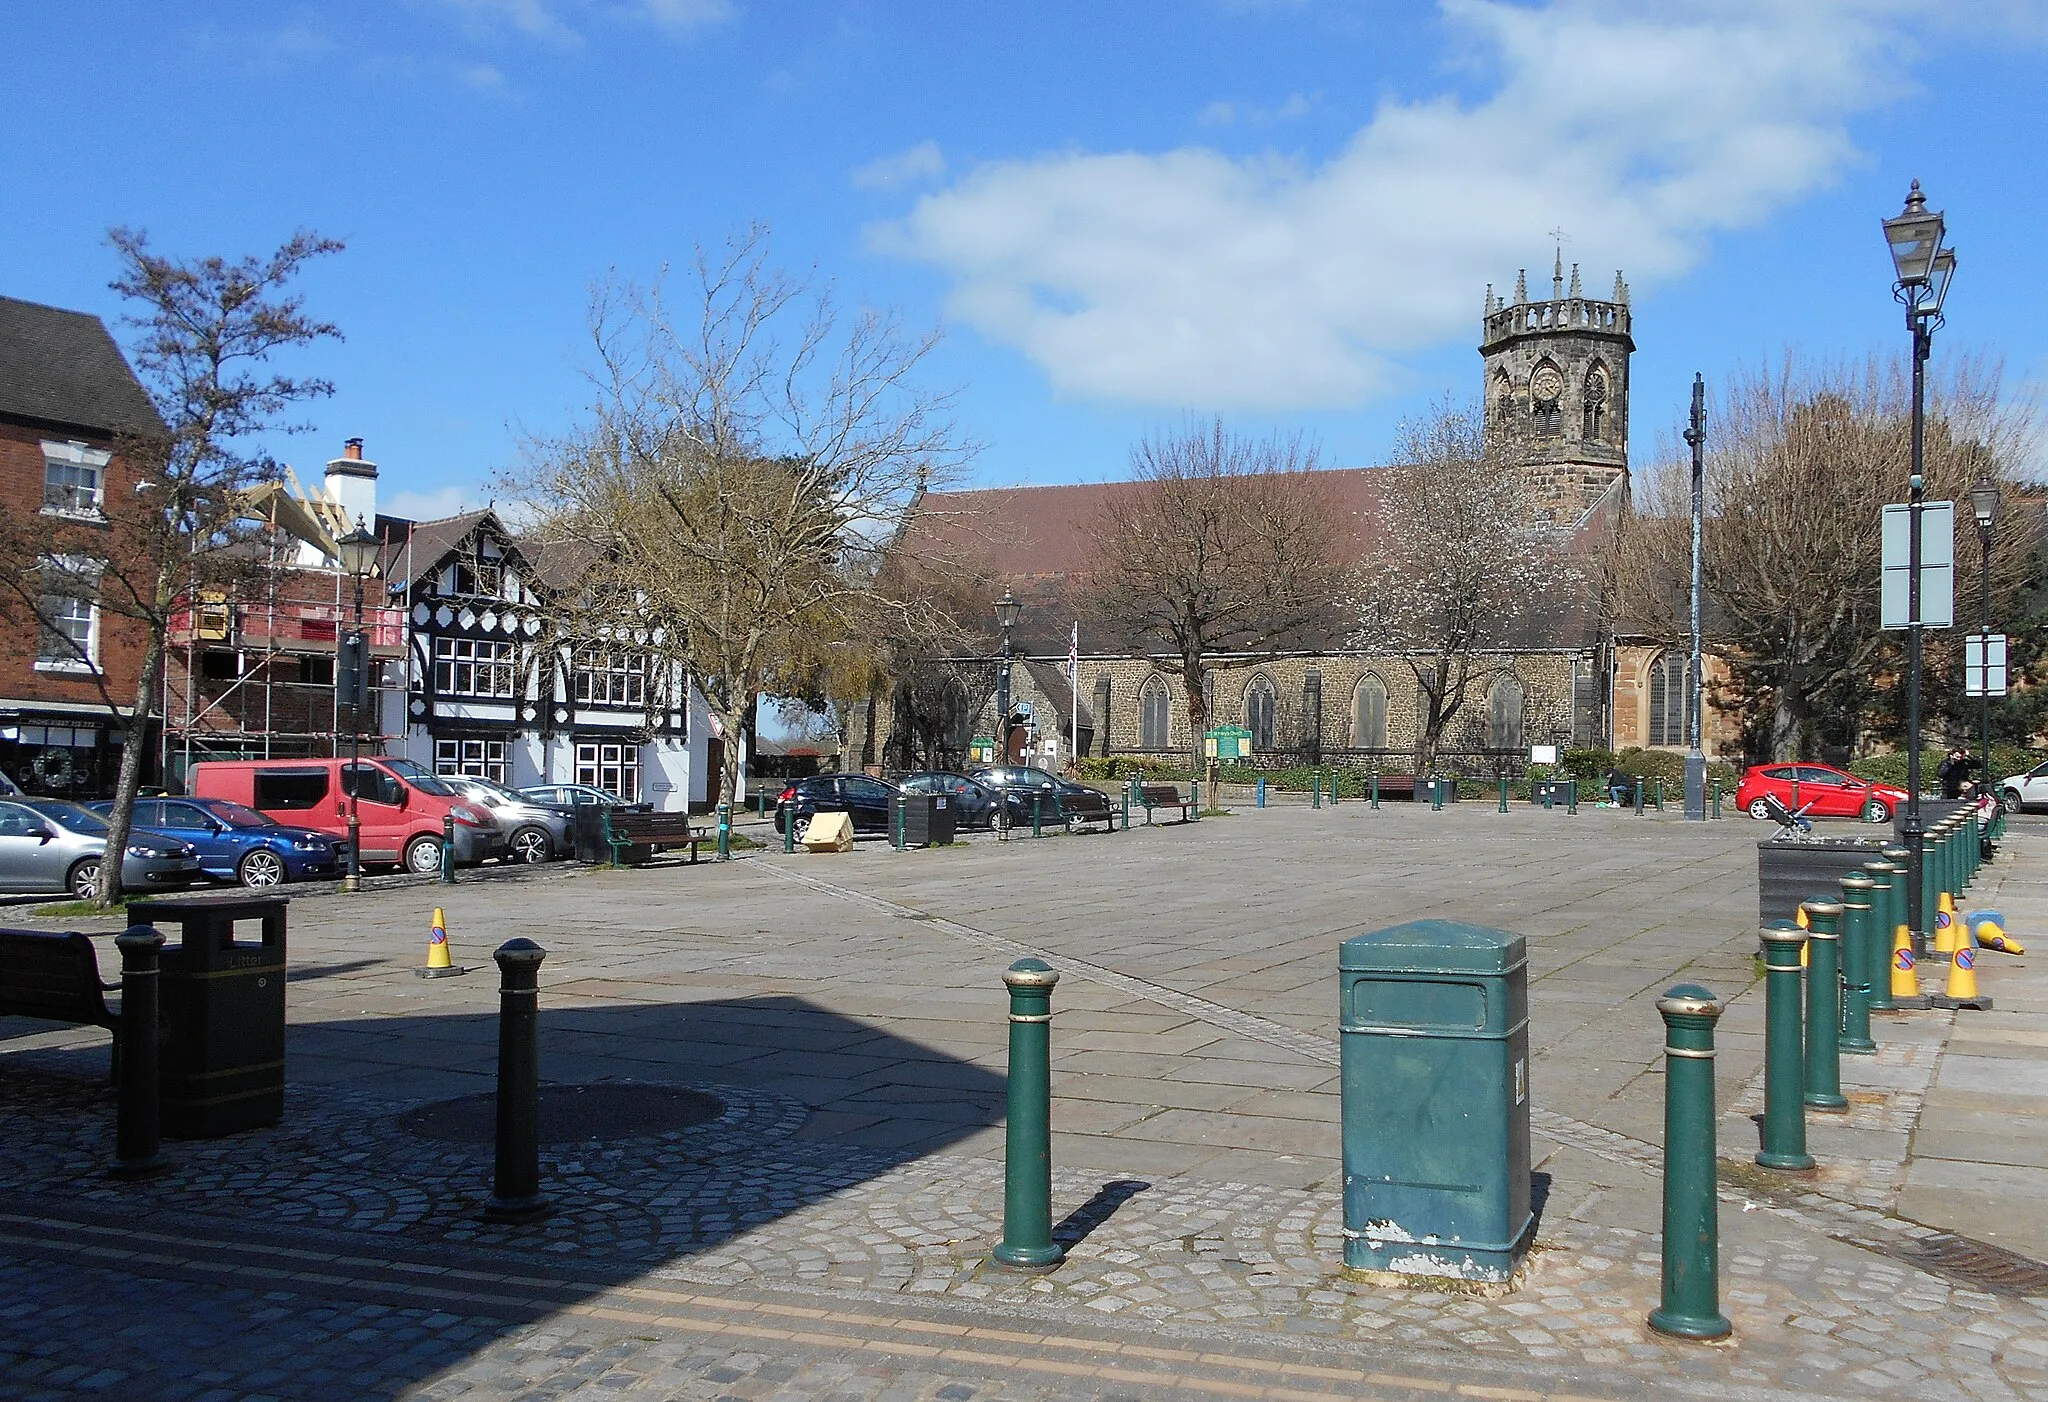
{"x":1039,"y":541}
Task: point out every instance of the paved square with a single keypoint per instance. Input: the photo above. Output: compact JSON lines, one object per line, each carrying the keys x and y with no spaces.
{"x":848,"y":1010}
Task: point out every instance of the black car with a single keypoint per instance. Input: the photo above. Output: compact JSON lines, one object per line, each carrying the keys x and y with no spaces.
{"x":866,"y":799}
{"x":974,"y":801}
{"x":1057,"y":798}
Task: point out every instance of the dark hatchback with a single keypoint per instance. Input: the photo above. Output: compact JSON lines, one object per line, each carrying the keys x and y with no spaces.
{"x":864,"y":798}
{"x":1058,"y":799}
{"x":974,"y":801}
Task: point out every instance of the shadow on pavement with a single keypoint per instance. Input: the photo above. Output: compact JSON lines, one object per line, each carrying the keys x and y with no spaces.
{"x":647,"y":1167}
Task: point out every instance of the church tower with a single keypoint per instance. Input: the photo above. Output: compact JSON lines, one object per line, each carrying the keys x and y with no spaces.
{"x":1557,"y":390}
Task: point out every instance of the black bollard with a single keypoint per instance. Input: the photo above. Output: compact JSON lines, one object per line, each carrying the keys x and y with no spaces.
{"x":136,"y":1121}
{"x":515,"y":1178}
{"x":448,"y":849}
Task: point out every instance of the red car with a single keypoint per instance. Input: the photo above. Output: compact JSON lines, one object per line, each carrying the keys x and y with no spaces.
{"x":1822,"y":791}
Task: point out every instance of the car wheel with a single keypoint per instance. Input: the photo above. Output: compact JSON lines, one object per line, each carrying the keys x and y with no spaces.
{"x":2010,"y":800}
{"x":803,"y":827}
{"x":259,"y":868}
{"x":1877,"y":811}
{"x":531,"y":845}
{"x":84,"y":879}
{"x":423,"y":856}
{"x":1757,"y":809}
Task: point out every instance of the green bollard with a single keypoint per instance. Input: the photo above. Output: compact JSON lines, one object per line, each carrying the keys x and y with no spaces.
{"x":1691,"y":1303}
{"x":1194,"y":800}
{"x":1716,"y":810}
{"x":1549,"y":799}
{"x":725,"y":832}
{"x":1027,"y":1242}
{"x":1884,"y":918}
{"x":1127,"y":806}
{"x":1639,"y":798}
{"x":1824,"y":1005}
{"x":1858,"y":913}
{"x":1436,"y":793}
{"x":1035,"y":811}
{"x":1571,"y":798}
{"x":1316,"y":795}
{"x":1784,"y":1140}
{"x":1503,"y":793}
{"x":1333,"y":788}
{"x":789,"y":830}
{"x":1375,"y":790}
{"x":1660,"y":793}
{"x":898,"y":827}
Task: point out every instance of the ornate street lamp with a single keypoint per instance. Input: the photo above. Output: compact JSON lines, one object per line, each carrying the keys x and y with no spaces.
{"x":1989,"y":504}
{"x":357,"y":552}
{"x":1924,"y":270}
{"x":1008,"y":610}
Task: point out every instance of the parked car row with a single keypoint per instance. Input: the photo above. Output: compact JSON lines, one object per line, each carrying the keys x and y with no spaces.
{"x":1009,"y":790}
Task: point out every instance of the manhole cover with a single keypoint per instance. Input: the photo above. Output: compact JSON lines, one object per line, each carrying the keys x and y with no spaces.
{"x":571,"y":1114}
{"x":1976,"y":1263}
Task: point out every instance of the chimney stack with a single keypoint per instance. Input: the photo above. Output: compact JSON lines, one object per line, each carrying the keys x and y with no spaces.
{"x":352,"y":481}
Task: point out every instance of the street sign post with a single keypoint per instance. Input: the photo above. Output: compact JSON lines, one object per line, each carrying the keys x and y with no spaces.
{"x":1937,"y":566}
{"x":1984,"y":664}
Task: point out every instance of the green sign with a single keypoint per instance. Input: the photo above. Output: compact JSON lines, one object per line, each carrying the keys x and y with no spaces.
{"x":1228,"y":742}
{"x":982,"y":749}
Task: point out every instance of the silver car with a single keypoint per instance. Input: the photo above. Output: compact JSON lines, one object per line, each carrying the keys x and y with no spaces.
{"x":47,"y":844}
{"x":536,"y":832}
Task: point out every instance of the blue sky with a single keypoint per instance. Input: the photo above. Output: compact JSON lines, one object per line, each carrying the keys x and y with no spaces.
{"x":1287,"y":212}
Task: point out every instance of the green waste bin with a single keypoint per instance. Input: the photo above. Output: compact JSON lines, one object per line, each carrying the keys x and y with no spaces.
{"x":1434,"y":1026}
{"x":221,"y":1068}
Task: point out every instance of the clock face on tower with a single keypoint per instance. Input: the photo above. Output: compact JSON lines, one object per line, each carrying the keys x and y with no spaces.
{"x":1546,"y":383}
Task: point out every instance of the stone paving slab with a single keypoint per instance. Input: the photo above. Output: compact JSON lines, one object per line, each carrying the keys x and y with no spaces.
{"x":847,"y":1010}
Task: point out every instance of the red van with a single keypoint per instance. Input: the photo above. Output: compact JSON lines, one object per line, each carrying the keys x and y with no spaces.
{"x":399,"y":805}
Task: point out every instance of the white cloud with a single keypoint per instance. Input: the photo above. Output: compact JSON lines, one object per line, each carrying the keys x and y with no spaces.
{"x":1193,"y":278}
{"x":923,"y":161}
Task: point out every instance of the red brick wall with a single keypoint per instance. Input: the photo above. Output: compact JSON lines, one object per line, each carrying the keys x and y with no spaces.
{"x":21,"y":498}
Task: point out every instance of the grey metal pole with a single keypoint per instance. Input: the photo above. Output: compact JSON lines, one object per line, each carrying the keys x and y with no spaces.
{"x":1696,"y":755}
{"x":1915,"y":830}
{"x":1984,"y":688}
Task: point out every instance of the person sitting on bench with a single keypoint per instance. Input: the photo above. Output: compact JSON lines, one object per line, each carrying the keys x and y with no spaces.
{"x":1621,"y":788}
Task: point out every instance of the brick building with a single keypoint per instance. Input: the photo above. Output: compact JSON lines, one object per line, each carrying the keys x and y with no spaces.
{"x":67,"y":687}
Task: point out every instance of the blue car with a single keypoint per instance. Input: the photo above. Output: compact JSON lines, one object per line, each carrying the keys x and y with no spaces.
{"x":239,"y":844}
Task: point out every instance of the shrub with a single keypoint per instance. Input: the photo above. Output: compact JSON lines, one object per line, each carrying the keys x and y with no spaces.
{"x":2006,"y":760}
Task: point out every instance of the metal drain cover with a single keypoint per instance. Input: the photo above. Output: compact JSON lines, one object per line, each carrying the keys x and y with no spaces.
{"x":571,"y":1114}
{"x":1976,"y":1263}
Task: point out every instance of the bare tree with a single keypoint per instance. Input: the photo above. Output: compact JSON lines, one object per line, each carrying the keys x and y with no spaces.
{"x":207,"y":329}
{"x":1459,"y":566}
{"x":742,"y":468}
{"x":1800,"y":461}
{"x":1225,"y":544}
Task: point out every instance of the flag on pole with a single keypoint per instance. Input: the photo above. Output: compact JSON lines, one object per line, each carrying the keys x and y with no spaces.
{"x":1074,"y":685}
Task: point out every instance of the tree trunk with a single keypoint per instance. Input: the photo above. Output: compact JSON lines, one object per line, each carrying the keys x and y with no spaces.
{"x":122,"y":818}
{"x":1788,"y":717}
{"x":1198,"y":708}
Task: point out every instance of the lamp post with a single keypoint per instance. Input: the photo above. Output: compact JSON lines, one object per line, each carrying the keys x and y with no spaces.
{"x":1008,"y":610}
{"x":1924,"y":269}
{"x":1696,"y":755}
{"x":1989,"y":504}
{"x":358,"y":555}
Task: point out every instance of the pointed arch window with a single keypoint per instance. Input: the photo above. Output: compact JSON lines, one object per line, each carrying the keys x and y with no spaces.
{"x":1155,"y":710}
{"x":1670,"y":693}
{"x":1595,"y":404}
{"x":1369,"y":714}
{"x":1504,"y":714}
{"x":1259,"y":699}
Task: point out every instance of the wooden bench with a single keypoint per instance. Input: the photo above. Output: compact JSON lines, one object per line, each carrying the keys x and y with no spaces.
{"x":55,"y":978}
{"x":1151,"y":796}
{"x":1394,"y":786}
{"x":652,"y":831}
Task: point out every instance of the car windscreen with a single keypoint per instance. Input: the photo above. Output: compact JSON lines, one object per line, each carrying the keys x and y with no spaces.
{"x":71,"y":817}
{"x":418,"y":777}
{"x":237,"y":816}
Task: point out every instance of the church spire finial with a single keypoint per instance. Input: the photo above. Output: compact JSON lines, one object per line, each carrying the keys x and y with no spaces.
{"x":1557,"y":275}
{"x":1576,"y":294}
{"x":1620,"y":297}
{"x":1521,"y":286}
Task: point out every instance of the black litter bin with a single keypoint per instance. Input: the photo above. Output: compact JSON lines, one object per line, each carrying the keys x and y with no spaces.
{"x":922,"y":819}
{"x":589,"y":834}
{"x":222,"y":1003}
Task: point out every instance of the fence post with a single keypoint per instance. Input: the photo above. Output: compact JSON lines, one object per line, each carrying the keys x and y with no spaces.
{"x":1691,"y":1303}
{"x":137,"y":1120}
{"x":1824,"y":1005}
{"x":515,"y":1176}
{"x":1784,"y":1140}
{"x":1027,"y":1136}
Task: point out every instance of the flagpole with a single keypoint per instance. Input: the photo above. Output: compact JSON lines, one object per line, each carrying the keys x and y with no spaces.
{"x":1074,"y":697}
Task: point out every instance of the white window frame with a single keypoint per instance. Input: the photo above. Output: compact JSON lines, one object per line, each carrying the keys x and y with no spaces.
{"x":76,"y":458}
{"x":473,"y":667}
{"x":78,"y":573}
{"x":611,"y":765}
{"x":610,"y":677}
{"x":478,"y":758}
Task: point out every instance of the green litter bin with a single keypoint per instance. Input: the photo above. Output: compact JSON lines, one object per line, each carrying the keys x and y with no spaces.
{"x":1434,"y":1025}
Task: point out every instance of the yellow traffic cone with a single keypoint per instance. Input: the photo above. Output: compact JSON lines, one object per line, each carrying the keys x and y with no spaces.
{"x":439,"y":964}
{"x":1905,"y":980}
{"x":1947,"y":935}
{"x":1962,"y":975}
{"x":1991,"y":937}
